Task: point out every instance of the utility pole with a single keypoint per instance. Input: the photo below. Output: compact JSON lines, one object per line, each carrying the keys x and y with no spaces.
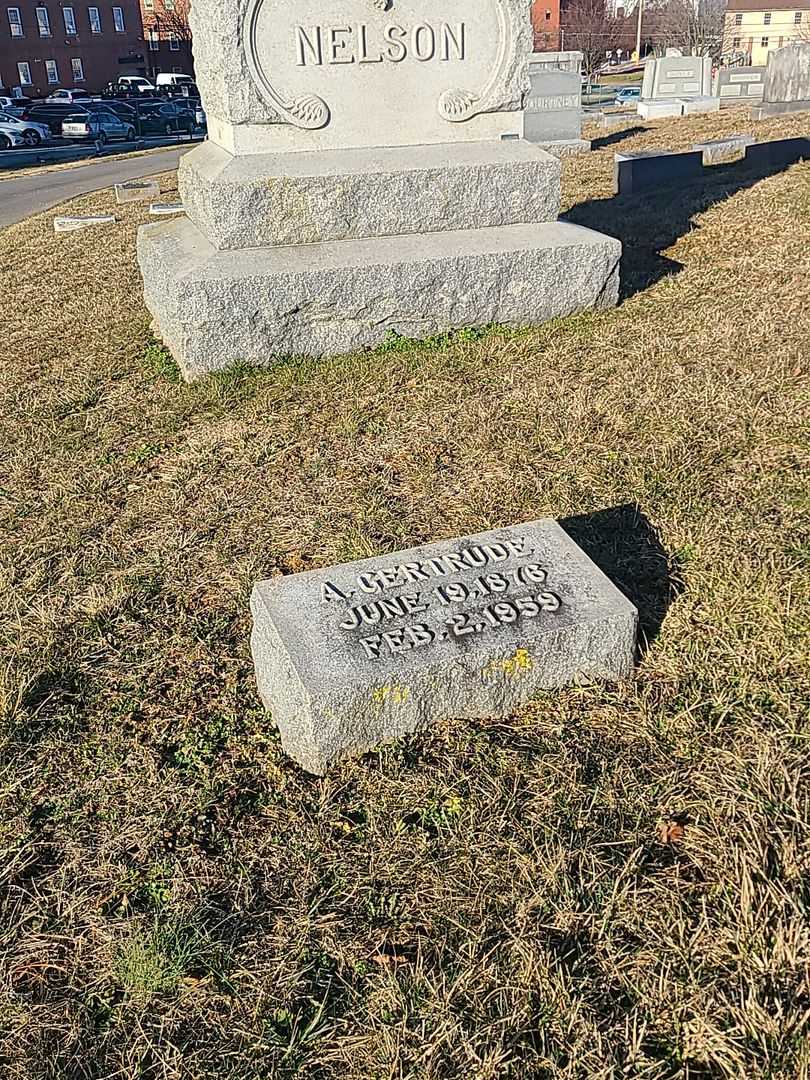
{"x":638,"y":29}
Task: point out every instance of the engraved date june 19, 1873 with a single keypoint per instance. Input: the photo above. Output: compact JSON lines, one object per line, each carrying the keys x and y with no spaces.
{"x":460,"y":625}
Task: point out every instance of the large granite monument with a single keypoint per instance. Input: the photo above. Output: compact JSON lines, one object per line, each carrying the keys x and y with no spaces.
{"x":787,"y":82}
{"x":351,"y":656}
{"x":677,"y":86}
{"x":359,"y":178}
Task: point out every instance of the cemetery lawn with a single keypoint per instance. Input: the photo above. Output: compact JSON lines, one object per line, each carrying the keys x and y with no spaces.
{"x":615,"y":882}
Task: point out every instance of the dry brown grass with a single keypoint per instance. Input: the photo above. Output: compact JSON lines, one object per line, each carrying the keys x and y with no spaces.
{"x":612,"y":883}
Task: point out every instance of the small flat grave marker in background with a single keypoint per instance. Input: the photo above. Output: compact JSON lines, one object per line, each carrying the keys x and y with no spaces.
{"x":70,"y":224}
{"x":137,"y":191}
{"x":351,"y":656}
{"x":161,"y":209}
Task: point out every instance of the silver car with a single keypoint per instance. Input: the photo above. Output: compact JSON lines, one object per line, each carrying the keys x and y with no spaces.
{"x":31,"y":134}
{"x":100,"y":126}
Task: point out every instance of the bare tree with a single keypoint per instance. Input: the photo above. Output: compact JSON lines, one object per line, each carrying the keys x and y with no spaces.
{"x":170,"y":19}
{"x":696,"y":27}
{"x":590,"y":28}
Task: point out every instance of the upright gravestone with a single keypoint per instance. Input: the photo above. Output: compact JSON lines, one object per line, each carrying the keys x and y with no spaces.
{"x":787,"y":82}
{"x":736,"y":85}
{"x":356,"y":180}
{"x":553,"y":111}
{"x":677,"y":86}
{"x":354,"y":655}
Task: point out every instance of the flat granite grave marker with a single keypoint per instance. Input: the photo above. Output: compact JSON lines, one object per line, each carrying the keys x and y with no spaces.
{"x":137,"y":191}
{"x":351,"y":656}
{"x":68,"y":223}
{"x":358,"y":180}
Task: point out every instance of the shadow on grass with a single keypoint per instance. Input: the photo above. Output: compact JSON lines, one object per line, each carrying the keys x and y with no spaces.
{"x":625,"y":547}
{"x":650,"y":222}
{"x":616,"y":136}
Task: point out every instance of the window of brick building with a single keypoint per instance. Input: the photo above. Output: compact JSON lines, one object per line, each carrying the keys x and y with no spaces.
{"x":154,"y":41}
{"x":77,"y":68}
{"x":52,"y":72}
{"x":95,"y":20}
{"x":43,"y":22}
{"x":15,"y":22}
{"x":70,"y":20}
{"x":174,"y":43}
{"x":24,"y":73}
{"x":118,"y":19}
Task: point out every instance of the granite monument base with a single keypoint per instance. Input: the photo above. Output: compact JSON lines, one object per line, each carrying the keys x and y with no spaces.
{"x":696,"y":105}
{"x":352,"y":656}
{"x":213,"y":308}
{"x":267,"y":200}
{"x":563,"y":148}
{"x":779,"y":108}
{"x":660,"y":110}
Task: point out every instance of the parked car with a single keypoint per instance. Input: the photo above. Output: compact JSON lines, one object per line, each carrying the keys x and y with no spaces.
{"x":172,"y":78}
{"x":9,"y":138}
{"x":628,"y":95}
{"x":134,"y":82}
{"x":122,"y":110}
{"x":51,"y":113}
{"x":73,"y":97}
{"x":13,"y":105}
{"x":100,"y":125}
{"x":32,"y":134}
{"x":166,"y":119}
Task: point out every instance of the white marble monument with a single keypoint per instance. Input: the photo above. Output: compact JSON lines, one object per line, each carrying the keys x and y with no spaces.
{"x":363,"y":173}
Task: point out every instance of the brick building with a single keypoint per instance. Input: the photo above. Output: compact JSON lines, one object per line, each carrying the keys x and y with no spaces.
{"x":546,"y":22}
{"x":168,"y":37}
{"x":45,"y":45}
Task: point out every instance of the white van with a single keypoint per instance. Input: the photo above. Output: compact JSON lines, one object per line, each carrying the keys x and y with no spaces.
{"x":171,"y":78}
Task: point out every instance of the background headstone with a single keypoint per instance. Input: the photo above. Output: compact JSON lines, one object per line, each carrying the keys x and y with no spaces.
{"x":737,"y":84}
{"x":649,"y":170}
{"x":787,"y":82}
{"x":553,"y":109}
{"x":352,"y":656}
{"x":674,"y":85}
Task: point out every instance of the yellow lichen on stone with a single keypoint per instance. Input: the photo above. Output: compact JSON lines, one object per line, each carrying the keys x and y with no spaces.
{"x":397,"y":695}
{"x":510,"y":666}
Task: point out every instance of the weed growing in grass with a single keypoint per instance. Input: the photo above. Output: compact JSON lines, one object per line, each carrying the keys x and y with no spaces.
{"x":399,"y":343}
{"x":158,"y":363}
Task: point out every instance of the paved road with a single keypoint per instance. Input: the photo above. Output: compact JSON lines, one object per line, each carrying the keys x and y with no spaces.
{"x":27,"y":195}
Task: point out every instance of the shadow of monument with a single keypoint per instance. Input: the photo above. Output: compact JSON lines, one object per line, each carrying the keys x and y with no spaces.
{"x":616,"y":137}
{"x":649,"y":222}
{"x":625,"y":547}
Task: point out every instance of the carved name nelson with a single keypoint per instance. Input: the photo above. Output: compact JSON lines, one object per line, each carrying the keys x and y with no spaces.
{"x":363,"y":44}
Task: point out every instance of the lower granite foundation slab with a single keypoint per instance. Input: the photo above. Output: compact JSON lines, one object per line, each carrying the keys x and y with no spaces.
{"x":215,"y":308}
